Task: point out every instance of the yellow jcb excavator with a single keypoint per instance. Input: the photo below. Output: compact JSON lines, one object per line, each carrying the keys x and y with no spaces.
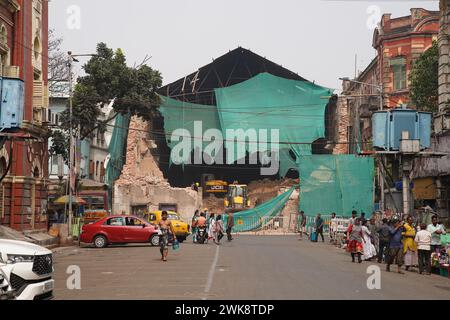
{"x":237,"y":198}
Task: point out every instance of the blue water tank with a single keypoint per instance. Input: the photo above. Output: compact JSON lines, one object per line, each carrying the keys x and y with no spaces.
{"x":379,"y":130}
{"x":12,"y":103}
{"x":387,"y":128}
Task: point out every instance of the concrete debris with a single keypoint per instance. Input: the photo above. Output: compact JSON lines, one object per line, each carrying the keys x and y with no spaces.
{"x":140,"y":167}
{"x":142,"y":185}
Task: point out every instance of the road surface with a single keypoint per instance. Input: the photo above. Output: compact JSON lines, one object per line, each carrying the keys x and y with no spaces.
{"x":250,"y":267}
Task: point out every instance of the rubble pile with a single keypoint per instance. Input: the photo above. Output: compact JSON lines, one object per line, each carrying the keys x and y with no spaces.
{"x":214,"y":204}
{"x":261,"y":191}
{"x":142,"y":183}
{"x":140,"y":167}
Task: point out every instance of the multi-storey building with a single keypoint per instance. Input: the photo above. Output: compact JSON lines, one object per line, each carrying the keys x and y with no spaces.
{"x":398,"y":42}
{"x":23,"y":149}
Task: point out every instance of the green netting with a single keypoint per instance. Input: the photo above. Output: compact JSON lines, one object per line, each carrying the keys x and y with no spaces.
{"x":257,"y":217}
{"x":117,"y":150}
{"x":182,"y":115}
{"x":295,"y":108}
{"x":336,"y":183}
{"x":265,"y":102}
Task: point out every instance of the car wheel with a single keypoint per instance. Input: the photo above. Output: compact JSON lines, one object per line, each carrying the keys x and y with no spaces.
{"x":154,"y":240}
{"x":100,"y":241}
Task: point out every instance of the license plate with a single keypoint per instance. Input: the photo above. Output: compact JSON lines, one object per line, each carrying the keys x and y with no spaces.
{"x":48,"y":286}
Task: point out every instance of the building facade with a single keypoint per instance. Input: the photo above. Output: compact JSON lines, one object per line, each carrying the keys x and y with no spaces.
{"x":92,"y":157}
{"x":385,"y":81}
{"x":435,"y":172}
{"x":24,"y":152}
{"x":399,"y":41}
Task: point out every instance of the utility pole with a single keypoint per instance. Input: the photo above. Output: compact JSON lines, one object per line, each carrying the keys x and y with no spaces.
{"x":71,"y":151}
{"x":72,"y":163}
{"x":381,"y":169}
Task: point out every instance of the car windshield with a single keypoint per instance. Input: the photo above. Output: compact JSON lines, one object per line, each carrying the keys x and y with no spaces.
{"x":173,"y":216}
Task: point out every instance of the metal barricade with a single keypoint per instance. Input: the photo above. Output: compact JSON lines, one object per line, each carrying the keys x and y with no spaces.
{"x":269,"y":225}
{"x":287,"y":225}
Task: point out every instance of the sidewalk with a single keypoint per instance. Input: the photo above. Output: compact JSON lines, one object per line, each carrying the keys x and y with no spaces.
{"x":39,"y":237}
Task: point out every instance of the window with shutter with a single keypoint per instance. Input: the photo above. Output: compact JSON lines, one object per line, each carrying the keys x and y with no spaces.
{"x":399,"y":72}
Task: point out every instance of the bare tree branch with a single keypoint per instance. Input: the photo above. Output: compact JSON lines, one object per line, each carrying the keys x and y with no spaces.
{"x":58,"y":70}
{"x":144,"y":62}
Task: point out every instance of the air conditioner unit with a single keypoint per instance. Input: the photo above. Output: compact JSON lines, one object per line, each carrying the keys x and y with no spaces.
{"x":11,"y":72}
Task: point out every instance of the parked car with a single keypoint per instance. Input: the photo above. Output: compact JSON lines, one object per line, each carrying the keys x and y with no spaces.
{"x":182,"y":229}
{"x":26,"y":271}
{"x":119,"y":230}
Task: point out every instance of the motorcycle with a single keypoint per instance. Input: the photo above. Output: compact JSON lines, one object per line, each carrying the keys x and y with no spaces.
{"x":202,"y":235}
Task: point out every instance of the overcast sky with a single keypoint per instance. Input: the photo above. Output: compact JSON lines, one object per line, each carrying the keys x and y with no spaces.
{"x":318,"y":39}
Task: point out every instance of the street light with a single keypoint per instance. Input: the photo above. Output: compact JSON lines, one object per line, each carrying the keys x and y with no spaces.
{"x":71,"y":60}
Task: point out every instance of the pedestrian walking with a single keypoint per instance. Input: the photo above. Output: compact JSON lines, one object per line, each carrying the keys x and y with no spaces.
{"x":333,"y":228}
{"x":384,"y":237}
{"x":319,"y":227}
{"x":194,"y":225}
{"x":436,"y":229}
{"x":354,"y":238}
{"x":363,"y":216}
{"x":409,"y":245}
{"x":375,"y":237}
{"x":302,"y":224}
{"x":395,"y":246}
{"x":353,"y":218}
{"x":423,"y":241}
{"x":368,"y":248}
{"x":230,"y":225}
{"x":211,"y":227}
{"x":166,"y":227}
{"x":219,"y":229}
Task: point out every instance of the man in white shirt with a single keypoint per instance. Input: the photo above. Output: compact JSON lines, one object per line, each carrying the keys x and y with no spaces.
{"x":423,"y":240}
{"x":436,"y":230}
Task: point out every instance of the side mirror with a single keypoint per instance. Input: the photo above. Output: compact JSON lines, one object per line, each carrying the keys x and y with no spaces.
{"x":143,"y":226}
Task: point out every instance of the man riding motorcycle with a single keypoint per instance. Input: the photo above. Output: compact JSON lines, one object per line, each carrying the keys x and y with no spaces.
{"x":200,"y":224}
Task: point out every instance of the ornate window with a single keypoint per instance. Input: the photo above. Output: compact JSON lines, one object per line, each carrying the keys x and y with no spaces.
{"x":399,"y":70}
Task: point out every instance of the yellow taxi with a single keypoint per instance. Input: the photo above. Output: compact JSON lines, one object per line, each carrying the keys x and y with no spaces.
{"x":182,"y":229}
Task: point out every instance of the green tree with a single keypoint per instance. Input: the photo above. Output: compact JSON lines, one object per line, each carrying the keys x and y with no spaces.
{"x":107,"y":78}
{"x":424,"y":80}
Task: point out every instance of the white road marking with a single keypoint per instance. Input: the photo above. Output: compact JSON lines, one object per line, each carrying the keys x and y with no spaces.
{"x":211,"y":274}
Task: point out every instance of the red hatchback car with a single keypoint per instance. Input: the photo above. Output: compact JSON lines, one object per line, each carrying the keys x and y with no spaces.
{"x":119,"y":229}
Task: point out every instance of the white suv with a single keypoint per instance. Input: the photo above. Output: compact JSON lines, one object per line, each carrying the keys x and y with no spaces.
{"x":26,"y":270}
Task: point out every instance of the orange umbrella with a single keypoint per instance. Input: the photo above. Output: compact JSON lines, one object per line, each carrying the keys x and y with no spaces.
{"x":65,"y":200}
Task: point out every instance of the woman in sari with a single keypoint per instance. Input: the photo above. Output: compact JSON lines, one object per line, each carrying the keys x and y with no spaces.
{"x":219,"y":230}
{"x":368,"y":247}
{"x":354,"y":237}
{"x":409,"y":245}
{"x":212,"y":227}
